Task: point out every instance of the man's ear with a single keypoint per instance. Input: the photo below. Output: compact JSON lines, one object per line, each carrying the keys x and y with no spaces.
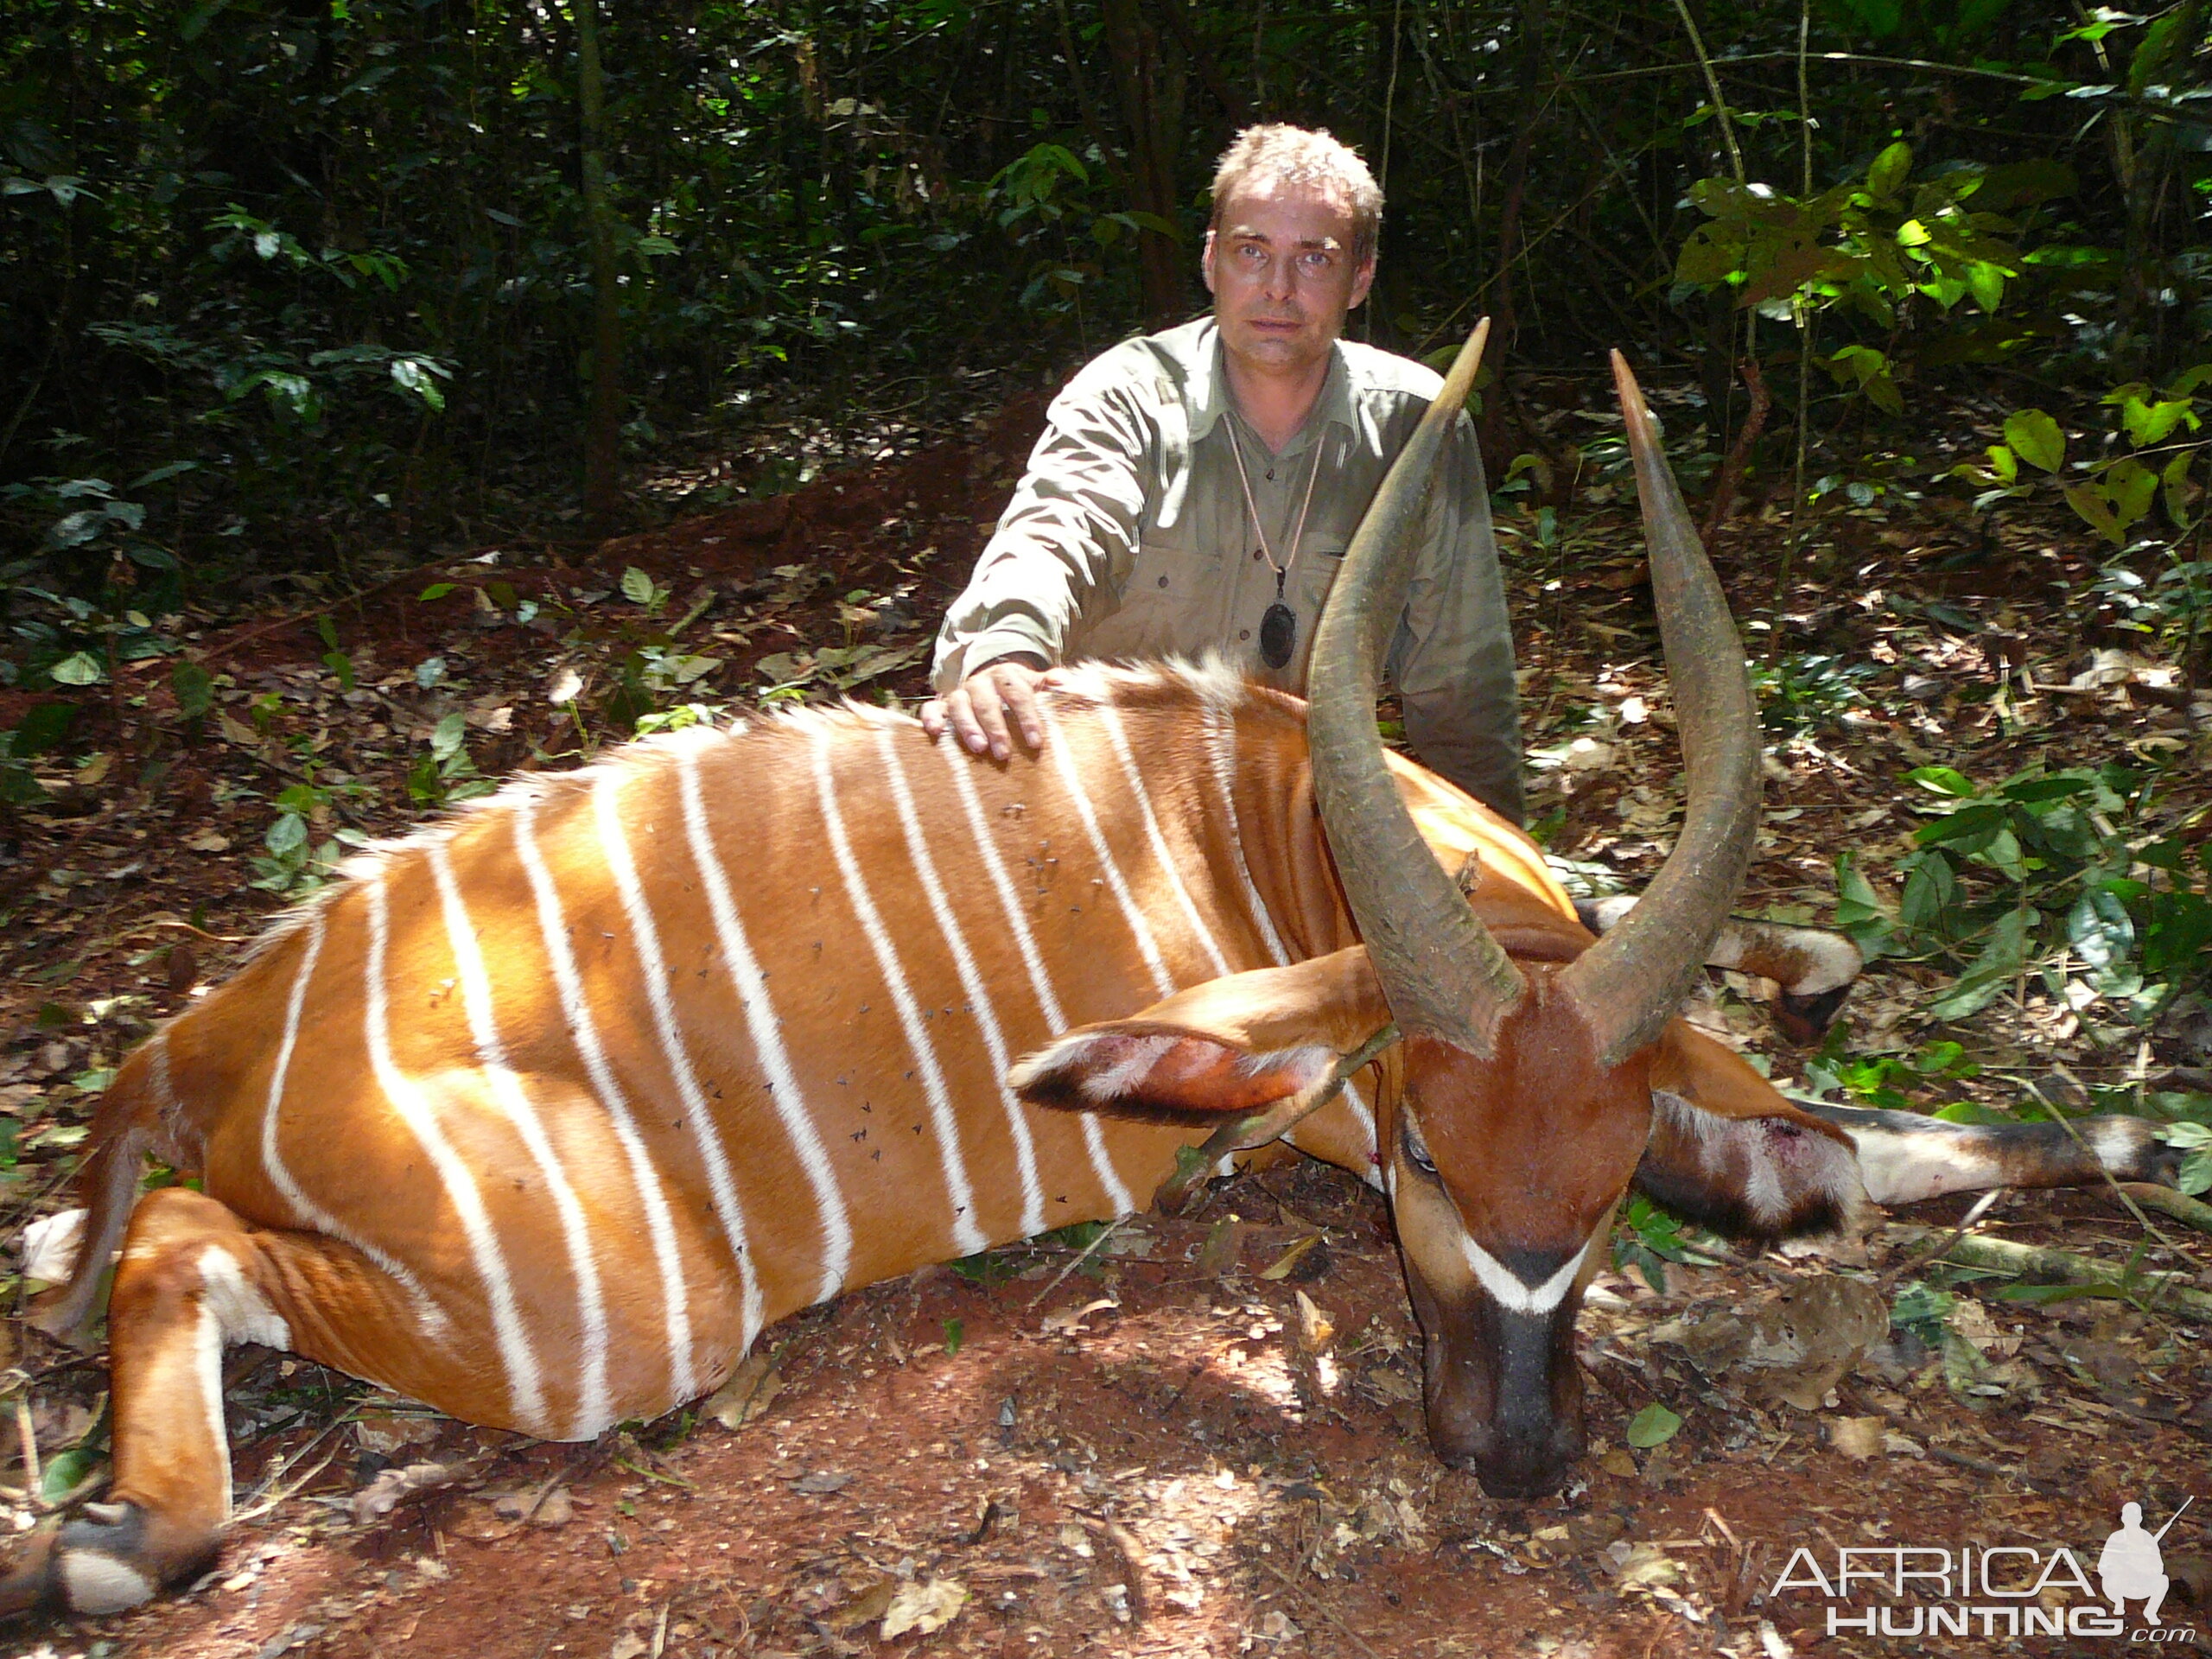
{"x":1224,"y":1049}
{"x":1729,"y":1153}
{"x":1205,"y":262}
{"x":1362,"y":280}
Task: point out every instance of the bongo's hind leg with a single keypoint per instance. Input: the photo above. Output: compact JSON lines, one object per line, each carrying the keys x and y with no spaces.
{"x":193,"y":1281}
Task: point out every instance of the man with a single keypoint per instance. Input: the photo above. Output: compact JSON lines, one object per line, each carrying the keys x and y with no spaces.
{"x":1197,"y":489}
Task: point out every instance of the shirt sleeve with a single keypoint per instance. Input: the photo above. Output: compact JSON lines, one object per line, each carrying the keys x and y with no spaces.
{"x":1068,"y":537}
{"x":1451,"y":658}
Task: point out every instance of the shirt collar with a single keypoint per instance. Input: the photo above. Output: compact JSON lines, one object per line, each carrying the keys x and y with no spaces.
{"x":1209,"y":384}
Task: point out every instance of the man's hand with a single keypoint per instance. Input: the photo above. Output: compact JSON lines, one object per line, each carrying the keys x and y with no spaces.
{"x":984,"y":710}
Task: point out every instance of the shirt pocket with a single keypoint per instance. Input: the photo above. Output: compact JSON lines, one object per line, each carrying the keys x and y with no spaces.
{"x":1311,"y":579}
{"x":1169,"y":603}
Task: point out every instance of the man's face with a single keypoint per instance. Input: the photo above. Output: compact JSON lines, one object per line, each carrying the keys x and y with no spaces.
{"x":1283,"y":275}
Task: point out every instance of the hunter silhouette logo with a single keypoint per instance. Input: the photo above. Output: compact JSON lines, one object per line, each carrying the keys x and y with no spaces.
{"x":2132,"y":1567}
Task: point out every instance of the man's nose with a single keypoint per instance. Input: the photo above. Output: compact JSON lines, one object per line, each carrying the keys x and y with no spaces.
{"x":1278,"y":280}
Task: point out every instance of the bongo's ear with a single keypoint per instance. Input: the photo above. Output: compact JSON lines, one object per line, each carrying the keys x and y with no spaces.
{"x":1227,"y":1048}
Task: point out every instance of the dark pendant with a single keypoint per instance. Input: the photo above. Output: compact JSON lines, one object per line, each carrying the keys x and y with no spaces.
{"x":1278,"y":635}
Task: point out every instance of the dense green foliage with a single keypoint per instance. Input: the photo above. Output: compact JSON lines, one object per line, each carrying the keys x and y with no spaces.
{"x":315,"y":274}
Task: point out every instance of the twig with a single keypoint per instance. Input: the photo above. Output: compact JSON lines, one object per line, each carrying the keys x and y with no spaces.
{"x":28,"y":1434}
{"x":1980,"y":1208}
{"x":1739,"y":453}
{"x":1092,"y":1250}
{"x":1321,"y":1607}
{"x":1722,"y":116}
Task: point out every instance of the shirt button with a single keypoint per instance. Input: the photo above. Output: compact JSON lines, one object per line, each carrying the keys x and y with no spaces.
{"x":1244,"y":633}
{"x":1163,"y":581}
{"x":1256,"y":555}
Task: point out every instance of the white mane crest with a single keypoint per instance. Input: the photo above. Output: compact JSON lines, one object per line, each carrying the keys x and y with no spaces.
{"x":1214,"y":681}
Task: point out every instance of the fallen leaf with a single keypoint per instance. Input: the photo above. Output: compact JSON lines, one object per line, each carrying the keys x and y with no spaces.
{"x":748,"y":1394}
{"x":1856,"y":1438}
{"x":381,"y":1495}
{"x":1796,"y":1345}
{"x":1314,"y":1328}
{"x":1223,"y":1248}
{"x":821,"y":1482}
{"x":926,"y":1607}
{"x":1654,"y":1425}
{"x":1279,"y":1269}
{"x":1069,"y":1321}
{"x":208,"y":842}
{"x":872,"y":1603}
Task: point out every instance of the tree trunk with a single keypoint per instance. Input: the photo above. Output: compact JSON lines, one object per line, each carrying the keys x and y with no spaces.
{"x":603,"y":426}
{"x":1148,"y":79}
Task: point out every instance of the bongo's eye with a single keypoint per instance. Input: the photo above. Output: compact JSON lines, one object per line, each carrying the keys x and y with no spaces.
{"x":1416,"y":1148}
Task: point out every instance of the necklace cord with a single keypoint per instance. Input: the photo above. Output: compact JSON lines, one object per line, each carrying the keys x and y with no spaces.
{"x":1298,"y":535}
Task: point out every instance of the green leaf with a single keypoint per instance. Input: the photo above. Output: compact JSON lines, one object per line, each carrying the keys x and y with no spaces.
{"x":2095,"y":512}
{"x":955,"y":1334}
{"x":287,"y":834}
{"x":1654,"y":1425}
{"x":79,"y":668}
{"x":195,"y":689}
{"x":1944,"y":781}
{"x":2100,"y":929}
{"x":435,"y":590}
{"x":1997,"y":966}
{"x":637,"y":586}
{"x":446,"y":740}
{"x":65,"y":1473}
{"x":1889,"y":170}
{"x":1859,"y":912}
{"x":2035,"y":438}
{"x":2150,"y":423}
{"x":2130,"y":486}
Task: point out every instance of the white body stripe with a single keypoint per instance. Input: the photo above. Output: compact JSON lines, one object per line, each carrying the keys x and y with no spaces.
{"x":526,"y":1387}
{"x":594,"y":1411}
{"x":1111,"y":718}
{"x":698,"y":1118}
{"x":1102,"y":1165}
{"x":157,"y":1062}
{"x":230,"y":1310}
{"x":971,"y":982}
{"x":967,"y":1236}
{"x":1507,"y":1289}
{"x":436,"y":1321}
{"x":652,"y":1191}
{"x":1065,"y":760}
{"x":767,"y":1038}
{"x":1220,"y":749}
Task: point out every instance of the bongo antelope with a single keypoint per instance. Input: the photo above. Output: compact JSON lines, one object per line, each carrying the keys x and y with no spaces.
{"x":541,"y":1115}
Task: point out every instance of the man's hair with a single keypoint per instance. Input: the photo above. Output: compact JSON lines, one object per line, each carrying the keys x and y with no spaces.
{"x":1274,"y":153}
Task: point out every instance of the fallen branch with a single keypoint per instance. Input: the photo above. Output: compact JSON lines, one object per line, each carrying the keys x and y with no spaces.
{"x":2018,"y":1260}
{"x":2167,"y":1202}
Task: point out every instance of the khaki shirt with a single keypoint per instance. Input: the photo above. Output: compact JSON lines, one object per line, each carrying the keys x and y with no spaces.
{"x":1129,"y":536}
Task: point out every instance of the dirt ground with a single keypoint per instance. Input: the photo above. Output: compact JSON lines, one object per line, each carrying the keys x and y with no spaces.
{"x":1203,"y":1437}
